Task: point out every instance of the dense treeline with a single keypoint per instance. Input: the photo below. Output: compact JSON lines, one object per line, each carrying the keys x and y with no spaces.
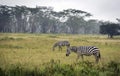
{"x":46,"y":20}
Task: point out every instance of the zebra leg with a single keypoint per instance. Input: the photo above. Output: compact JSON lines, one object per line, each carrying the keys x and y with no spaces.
{"x":96,"y":58}
{"x":82,"y":57}
{"x":60,"y":48}
{"x":53,"y":48}
{"x":77,"y":57}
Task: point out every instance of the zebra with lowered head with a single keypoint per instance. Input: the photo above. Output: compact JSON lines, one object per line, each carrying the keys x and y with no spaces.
{"x":84,"y":50}
{"x":60,"y":44}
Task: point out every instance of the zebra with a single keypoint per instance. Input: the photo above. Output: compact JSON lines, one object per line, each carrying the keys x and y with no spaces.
{"x":84,"y":50}
{"x":60,"y":44}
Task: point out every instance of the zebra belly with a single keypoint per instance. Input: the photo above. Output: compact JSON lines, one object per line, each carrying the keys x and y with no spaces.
{"x":86,"y":54}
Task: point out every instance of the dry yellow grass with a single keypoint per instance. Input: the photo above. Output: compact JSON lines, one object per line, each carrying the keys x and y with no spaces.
{"x":29,"y":50}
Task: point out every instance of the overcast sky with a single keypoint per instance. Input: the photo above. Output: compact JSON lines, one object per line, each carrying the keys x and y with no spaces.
{"x":100,"y":9}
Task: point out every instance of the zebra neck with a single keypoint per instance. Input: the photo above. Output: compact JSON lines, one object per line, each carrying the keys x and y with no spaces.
{"x":74,"y":50}
{"x":55,"y":45}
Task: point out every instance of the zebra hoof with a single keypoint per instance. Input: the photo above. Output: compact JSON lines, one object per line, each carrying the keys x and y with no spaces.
{"x":67,"y":54}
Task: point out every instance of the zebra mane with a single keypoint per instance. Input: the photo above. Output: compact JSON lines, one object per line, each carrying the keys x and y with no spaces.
{"x":55,"y":45}
{"x":73,"y":48}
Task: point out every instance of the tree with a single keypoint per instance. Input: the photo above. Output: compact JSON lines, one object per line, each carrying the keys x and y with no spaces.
{"x":76,"y":25}
{"x":111,"y":29}
{"x":4,"y":19}
{"x":45,"y":20}
{"x":75,"y":20}
{"x":118,"y":20}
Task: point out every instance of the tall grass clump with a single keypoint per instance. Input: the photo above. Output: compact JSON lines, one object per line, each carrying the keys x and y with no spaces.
{"x":55,"y":68}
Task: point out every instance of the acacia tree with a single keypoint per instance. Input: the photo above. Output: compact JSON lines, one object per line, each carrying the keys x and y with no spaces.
{"x":110,"y":28}
{"x":4,"y":19}
{"x":75,"y":21}
{"x":45,"y":20}
{"x":118,"y":20}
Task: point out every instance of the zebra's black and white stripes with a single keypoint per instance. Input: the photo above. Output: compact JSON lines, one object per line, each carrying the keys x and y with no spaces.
{"x":84,"y":50}
{"x":60,"y":44}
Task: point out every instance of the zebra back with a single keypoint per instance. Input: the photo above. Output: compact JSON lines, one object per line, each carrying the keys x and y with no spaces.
{"x":61,"y":43}
{"x":88,"y":50}
{"x":85,"y":50}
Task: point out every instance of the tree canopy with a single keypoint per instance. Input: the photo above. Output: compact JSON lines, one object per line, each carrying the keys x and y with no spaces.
{"x":111,"y":29}
{"x":46,"y":20}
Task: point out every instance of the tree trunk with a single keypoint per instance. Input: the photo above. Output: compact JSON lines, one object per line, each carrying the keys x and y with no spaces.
{"x":110,"y":36}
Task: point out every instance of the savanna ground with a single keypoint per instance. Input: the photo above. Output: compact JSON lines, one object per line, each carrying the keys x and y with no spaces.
{"x":32,"y":54}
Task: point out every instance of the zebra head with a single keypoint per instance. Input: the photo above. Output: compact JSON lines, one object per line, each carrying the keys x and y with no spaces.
{"x":68,"y":51}
{"x":71,"y":48}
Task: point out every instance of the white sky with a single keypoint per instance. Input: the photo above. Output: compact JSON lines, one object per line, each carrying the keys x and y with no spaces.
{"x":100,"y":9}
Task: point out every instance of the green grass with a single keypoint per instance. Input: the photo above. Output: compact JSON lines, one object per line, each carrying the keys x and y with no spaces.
{"x":28,"y":51}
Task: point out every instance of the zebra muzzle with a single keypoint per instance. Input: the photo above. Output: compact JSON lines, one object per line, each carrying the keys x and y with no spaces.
{"x":67,"y":54}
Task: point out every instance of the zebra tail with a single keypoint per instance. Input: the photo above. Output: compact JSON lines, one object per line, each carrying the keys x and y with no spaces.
{"x":99,"y":55}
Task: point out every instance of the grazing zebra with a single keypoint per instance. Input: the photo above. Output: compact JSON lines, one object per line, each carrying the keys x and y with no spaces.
{"x":60,"y":44}
{"x":84,"y":50}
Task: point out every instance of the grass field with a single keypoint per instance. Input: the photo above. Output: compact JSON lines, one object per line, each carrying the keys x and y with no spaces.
{"x":34,"y":50}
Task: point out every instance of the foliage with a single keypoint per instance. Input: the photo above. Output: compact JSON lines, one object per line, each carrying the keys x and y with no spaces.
{"x":22,"y":19}
{"x":54,"y":68}
{"x":111,"y":29}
